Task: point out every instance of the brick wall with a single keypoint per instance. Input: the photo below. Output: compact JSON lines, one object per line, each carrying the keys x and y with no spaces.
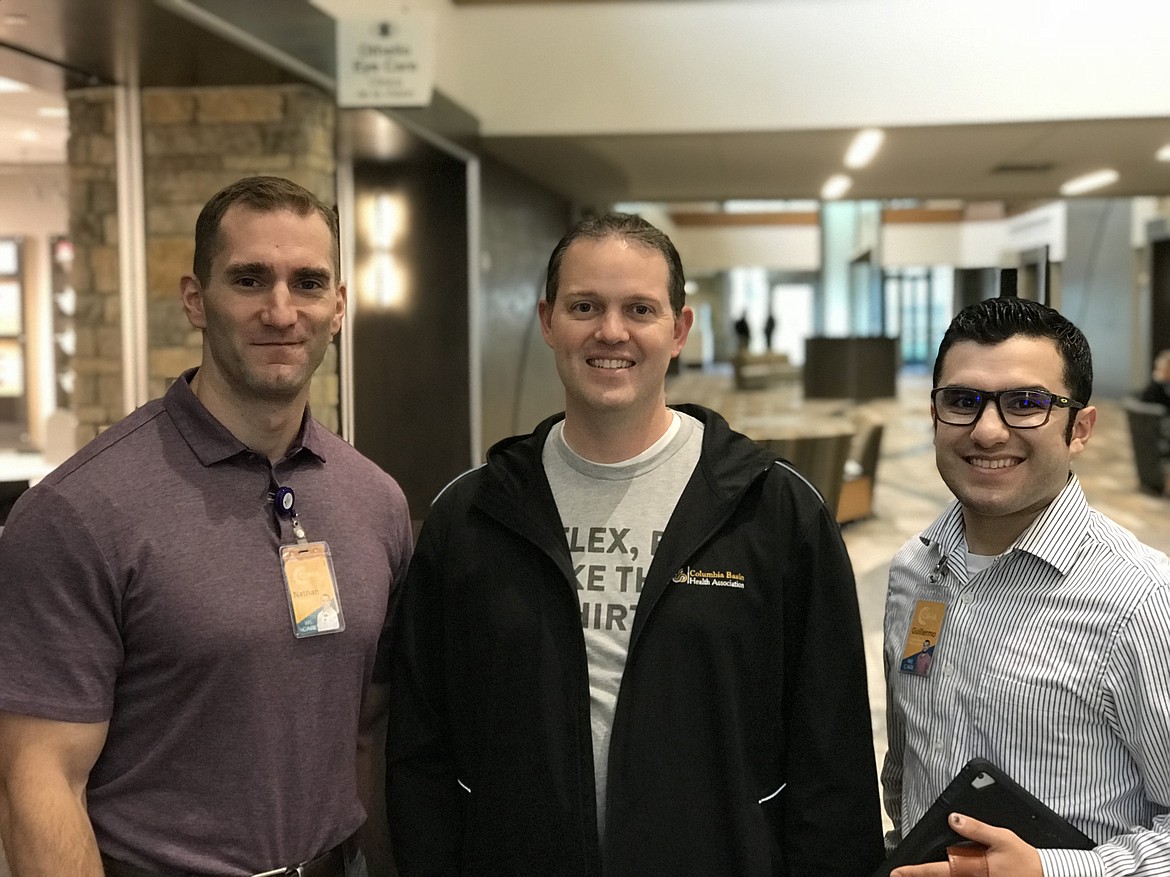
{"x":194,"y":142}
{"x":93,"y":227}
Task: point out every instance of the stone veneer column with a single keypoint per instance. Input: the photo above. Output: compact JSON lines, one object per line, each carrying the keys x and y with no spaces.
{"x":195,"y":141}
{"x":93,"y":228}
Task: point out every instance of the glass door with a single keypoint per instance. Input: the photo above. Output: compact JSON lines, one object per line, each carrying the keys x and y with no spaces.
{"x":908,"y":312}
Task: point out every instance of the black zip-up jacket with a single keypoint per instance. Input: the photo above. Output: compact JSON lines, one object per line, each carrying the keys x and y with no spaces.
{"x":741,"y":742}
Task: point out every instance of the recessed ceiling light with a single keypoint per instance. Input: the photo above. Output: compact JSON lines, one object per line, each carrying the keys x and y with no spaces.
{"x":864,"y":147}
{"x":11,"y":86}
{"x":52,"y":112}
{"x":835,"y":186}
{"x":1163,"y":154}
{"x":1089,"y":182}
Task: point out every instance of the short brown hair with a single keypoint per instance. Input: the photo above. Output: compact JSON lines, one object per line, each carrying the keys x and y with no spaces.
{"x":264,"y":195}
{"x":627,"y":227}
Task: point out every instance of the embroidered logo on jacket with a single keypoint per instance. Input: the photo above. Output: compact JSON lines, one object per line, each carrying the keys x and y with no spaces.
{"x":709,"y":578}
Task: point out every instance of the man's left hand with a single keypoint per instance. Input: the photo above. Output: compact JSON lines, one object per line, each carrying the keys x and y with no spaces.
{"x":1007,"y":855}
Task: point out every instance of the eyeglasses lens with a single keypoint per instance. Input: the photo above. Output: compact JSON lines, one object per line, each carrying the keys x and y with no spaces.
{"x":1020,"y":408}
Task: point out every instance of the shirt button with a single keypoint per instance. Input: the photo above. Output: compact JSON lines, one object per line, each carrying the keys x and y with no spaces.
{"x":966,"y":598}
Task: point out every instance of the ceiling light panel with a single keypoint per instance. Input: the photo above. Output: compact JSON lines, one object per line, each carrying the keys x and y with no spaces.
{"x":11,"y":86}
{"x":835,"y":187}
{"x":864,"y":147}
{"x":1090,"y":182}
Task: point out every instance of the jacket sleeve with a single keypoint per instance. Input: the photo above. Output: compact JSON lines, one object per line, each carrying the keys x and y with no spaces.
{"x":423,"y":796}
{"x":832,"y":815}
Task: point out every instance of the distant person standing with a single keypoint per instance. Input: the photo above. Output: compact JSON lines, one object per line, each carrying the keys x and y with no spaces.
{"x":743,"y":332}
{"x":1157,"y":392}
{"x":769,"y":330}
{"x":1158,"y":389}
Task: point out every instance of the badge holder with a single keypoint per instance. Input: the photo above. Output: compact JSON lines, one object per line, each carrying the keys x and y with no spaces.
{"x":922,"y":637}
{"x":309,"y":580}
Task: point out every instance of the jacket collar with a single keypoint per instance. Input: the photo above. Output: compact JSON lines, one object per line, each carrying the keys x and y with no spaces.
{"x":514,"y":485}
{"x":729,"y":462}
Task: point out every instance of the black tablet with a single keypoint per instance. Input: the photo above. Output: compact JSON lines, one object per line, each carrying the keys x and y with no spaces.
{"x":984,"y":792}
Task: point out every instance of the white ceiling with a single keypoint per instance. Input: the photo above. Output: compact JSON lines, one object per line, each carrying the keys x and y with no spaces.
{"x":26,"y":135}
{"x":1013,"y":162}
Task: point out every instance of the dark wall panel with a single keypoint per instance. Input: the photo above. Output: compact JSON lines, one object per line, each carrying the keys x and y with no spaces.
{"x":522,"y":222}
{"x":973,"y":285}
{"x":411,"y":385}
{"x":1159,"y":295}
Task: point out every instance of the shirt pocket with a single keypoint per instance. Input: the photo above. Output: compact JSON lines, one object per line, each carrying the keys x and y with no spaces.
{"x":1042,"y":715}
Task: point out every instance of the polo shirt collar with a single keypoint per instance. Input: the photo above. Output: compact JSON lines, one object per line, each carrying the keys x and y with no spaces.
{"x":211,"y":442}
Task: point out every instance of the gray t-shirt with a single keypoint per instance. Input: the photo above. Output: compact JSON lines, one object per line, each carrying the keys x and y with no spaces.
{"x":614,"y":515}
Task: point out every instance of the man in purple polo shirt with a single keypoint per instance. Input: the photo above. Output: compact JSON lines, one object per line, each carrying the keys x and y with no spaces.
{"x":172,"y":700}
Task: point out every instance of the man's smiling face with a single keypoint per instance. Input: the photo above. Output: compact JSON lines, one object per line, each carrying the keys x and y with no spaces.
{"x":270,"y":307}
{"x":612,"y":329}
{"x":1005,"y":477}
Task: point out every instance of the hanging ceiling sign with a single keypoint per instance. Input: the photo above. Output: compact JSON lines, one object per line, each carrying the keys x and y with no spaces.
{"x":386,"y":62}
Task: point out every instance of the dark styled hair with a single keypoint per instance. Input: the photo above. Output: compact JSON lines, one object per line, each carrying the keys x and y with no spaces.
{"x":999,"y":319}
{"x":263,"y":195}
{"x":627,"y":227}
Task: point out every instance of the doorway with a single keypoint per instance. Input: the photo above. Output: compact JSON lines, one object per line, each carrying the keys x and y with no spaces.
{"x":13,"y":404}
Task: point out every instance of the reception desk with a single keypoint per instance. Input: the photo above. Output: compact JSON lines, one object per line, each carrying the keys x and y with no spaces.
{"x":850,"y":368}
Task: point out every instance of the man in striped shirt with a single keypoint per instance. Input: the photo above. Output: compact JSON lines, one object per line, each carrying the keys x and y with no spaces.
{"x":1051,"y":623}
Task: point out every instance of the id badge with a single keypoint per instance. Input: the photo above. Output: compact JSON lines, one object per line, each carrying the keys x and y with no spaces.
{"x":922,"y":637}
{"x":311,"y":585}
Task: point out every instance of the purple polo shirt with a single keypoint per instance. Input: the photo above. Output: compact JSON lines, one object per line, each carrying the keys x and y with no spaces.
{"x":141,"y":586}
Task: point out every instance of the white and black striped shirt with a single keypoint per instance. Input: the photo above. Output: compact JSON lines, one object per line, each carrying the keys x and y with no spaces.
{"x":1053,"y":663}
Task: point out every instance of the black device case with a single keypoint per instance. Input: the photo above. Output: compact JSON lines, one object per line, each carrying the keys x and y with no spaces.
{"x":983,"y":791}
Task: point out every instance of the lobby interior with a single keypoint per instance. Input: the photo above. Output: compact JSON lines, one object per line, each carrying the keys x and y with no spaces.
{"x":722,"y":120}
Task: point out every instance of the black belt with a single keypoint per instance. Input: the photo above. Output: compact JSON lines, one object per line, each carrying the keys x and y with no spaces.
{"x":328,"y":864}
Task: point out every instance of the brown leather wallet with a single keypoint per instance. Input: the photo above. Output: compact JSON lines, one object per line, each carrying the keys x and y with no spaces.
{"x":968,"y":860}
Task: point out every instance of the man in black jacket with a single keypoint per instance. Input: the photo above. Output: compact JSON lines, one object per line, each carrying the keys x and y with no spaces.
{"x":629,"y":644}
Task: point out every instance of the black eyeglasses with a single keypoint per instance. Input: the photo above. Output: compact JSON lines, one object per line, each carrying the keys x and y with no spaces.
{"x":1019,"y":409}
